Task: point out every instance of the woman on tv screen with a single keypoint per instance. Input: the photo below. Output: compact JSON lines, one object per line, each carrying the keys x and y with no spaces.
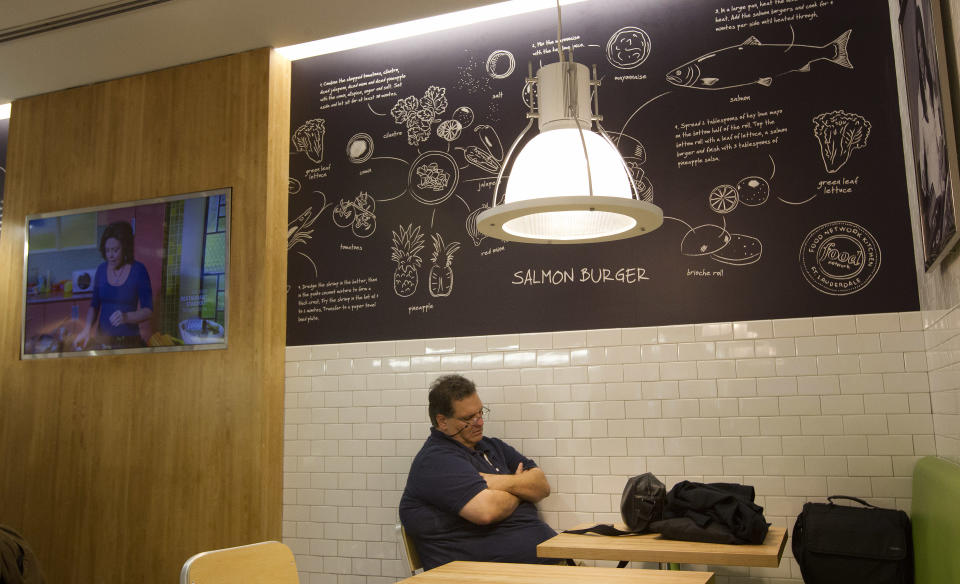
{"x":122,"y":296}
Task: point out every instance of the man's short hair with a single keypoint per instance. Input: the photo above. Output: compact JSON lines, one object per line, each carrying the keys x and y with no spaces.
{"x":444,"y":391}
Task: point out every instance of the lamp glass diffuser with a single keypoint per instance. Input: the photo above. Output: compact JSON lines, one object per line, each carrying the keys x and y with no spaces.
{"x":569,"y":225}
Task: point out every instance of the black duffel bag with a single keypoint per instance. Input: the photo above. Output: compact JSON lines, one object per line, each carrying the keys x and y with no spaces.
{"x":840,"y":544}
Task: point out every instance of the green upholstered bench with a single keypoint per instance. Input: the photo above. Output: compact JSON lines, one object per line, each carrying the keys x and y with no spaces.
{"x":936,"y":521}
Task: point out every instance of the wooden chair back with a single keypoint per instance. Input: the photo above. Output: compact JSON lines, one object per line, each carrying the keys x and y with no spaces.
{"x":268,"y":562}
{"x":409,"y":551}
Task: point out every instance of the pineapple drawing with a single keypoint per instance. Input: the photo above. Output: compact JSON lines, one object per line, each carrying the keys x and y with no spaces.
{"x":406,"y":252}
{"x":441,"y":273}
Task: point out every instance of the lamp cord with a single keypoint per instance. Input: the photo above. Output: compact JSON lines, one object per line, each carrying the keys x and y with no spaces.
{"x":583,"y":141}
{"x":572,"y":108}
{"x":559,"y":32}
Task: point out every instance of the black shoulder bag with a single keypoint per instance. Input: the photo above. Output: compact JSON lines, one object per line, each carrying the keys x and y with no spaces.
{"x":640,"y":505}
{"x":839,"y":544}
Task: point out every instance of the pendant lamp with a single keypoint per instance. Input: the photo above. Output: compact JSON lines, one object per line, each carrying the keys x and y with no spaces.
{"x":569,"y":183}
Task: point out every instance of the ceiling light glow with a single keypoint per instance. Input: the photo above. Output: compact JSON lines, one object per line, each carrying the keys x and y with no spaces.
{"x":416,"y":27}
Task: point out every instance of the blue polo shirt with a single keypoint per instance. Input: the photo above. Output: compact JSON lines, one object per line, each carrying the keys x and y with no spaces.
{"x":443,"y":478}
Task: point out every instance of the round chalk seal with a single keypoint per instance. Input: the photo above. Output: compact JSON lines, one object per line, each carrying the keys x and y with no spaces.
{"x":839,"y":258}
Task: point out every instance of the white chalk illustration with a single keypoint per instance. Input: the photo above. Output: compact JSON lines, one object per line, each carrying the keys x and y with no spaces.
{"x":480,"y":158}
{"x":433,"y":177}
{"x":753,"y":191}
{"x":441,"y":272}
{"x":489,"y":140}
{"x":298,"y":230}
{"x":308,"y":138}
{"x":749,"y":191}
{"x":488,"y":155}
{"x":717,"y":243}
{"x":405,"y":252}
{"x":529,"y":95}
{"x":471,"y":225}
{"x":635,"y":156}
{"x":628,"y":48}
{"x":419,"y":114}
{"x":741,"y":250}
{"x":449,"y":130}
{"x":364,"y":224}
{"x":723,"y":198}
{"x":293,"y":186}
{"x":839,"y":134}
{"x":359,"y":148}
{"x":357,"y":214}
{"x":500,"y":64}
{"x":704,"y":240}
{"x":839,"y":258}
{"x":753,"y":62}
{"x":640,"y":179}
{"x":472,"y":75}
{"x":464,"y":115}
{"x":807,"y":200}
{"x":316,"y":272}
{"x":626,"y":123}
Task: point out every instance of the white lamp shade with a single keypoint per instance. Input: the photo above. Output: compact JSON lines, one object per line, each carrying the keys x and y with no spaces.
{"x":553,"y":164}
{"x":548,"y":200}
{"x":568,"y":184}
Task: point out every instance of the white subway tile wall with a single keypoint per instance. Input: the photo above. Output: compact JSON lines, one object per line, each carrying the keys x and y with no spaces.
{"x":799,"y":408}
{"x":942,"y":343}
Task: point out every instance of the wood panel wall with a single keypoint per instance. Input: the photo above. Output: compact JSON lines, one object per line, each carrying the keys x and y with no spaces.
{"x":118,"y":468}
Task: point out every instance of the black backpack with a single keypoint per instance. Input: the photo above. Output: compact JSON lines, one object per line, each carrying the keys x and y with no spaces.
{"x":641,"y":504}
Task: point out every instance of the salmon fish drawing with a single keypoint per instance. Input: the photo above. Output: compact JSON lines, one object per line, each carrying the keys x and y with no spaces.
{"x":754,"y":62}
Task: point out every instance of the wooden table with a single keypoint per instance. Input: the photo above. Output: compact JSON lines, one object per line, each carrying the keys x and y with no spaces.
{"x":497,"y":573}
{"x":651,"y":547}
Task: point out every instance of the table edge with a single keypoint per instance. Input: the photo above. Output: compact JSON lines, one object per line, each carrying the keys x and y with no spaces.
{"x":546,"y":550}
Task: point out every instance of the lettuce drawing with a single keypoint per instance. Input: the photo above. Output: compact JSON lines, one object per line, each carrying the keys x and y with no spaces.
{"x":839,"y":133}
{"x":308,"y":138}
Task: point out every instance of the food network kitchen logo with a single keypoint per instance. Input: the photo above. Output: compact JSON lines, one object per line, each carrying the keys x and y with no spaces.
{"x":839,"y":258}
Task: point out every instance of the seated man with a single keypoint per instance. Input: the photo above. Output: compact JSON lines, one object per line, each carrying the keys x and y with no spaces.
{"x":469,"y":497}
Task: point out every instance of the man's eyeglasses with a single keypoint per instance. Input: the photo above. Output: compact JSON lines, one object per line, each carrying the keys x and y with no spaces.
{"x":484,"y":413}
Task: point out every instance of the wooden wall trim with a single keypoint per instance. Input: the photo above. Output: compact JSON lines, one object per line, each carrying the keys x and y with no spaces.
{"x":128,"y":464}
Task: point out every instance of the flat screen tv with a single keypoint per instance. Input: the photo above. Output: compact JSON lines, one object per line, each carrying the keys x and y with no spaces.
{"x":148,"y":275}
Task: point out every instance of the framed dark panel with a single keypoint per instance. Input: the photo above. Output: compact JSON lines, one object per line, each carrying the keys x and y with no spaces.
{"x":931,"y":127}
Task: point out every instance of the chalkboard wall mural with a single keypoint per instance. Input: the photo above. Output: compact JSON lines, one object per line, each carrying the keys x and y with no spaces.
{"x":768,"y":132}
{"x":4,"y":131}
